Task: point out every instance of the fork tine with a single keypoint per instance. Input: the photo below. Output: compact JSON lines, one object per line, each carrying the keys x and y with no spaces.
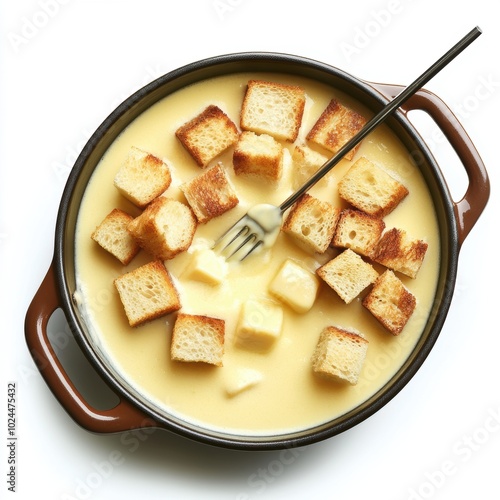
{"x":257,"y":245}
{"x":222,"y":240}
{"x":248,"y":239}
{"x":242,"y":232}
{"x":259,"y":227}
{"x":245,"y":229}
{"x":225,"y":241}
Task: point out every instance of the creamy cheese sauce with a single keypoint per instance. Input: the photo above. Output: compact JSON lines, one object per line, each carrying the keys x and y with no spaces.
{"x":288,"y":396}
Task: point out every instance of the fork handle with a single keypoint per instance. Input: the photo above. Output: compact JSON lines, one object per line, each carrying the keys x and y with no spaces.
{"x":389,"y":108}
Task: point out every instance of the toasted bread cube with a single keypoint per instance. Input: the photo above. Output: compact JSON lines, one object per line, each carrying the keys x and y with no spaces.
{"x":312,"y":222}
{"x":112,"y":235}
{"x":259,"y":325}
{"x":294,"y":285}
{"x":198,"y":339}
{"x":258,"y":156}
{"x":371,"y":189}
{"x":339,"y":355}
{"x":143,"y":177}
{"x":165,"y":228}
{"x":240,"y":380}
{"x":273,"y":108}
{"x":358,"y":231}
{"x":147,"y":293}
{"x":210,"y":194}
{"x":399,"y":252}
{"x":207,"y":135}
{"x":335,"y":127}
{"x":348,"y":274}
{"x":390,"y":302}
{"x":207,"y":267}
{"x":306,"y":162}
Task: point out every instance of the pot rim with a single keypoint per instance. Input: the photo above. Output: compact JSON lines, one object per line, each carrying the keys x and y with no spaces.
{"x":281,"y":63}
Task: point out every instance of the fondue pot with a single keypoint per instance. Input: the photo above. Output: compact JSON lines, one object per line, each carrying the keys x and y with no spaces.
{"x":455,"y":220}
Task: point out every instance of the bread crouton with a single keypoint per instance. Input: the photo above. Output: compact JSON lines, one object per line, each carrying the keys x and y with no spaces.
{"x":147,"y":293}
{"x":339,"y":355}
{"x":198,"y":339}
{"x":294,"y":285}
{"x":312,"y":222}
{"x":306,"y":162}
{"x":347,"y":274}
{"x":165,"y":228}
{"x":370,"y":189}
{"x":207,"y":135}
{"x":143,"y":177}
{"x":358,"y":231}
{"x":112,"y":235}
{"x":258,"y":156}
{"x":335,"y":127}
{"x":399,"y":252}
{"x":210,"y":194}
{"x":273,"y":108}
{"x":390,"y":302}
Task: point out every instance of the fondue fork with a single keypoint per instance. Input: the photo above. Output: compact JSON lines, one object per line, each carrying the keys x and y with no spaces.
{"x":260,"y":226}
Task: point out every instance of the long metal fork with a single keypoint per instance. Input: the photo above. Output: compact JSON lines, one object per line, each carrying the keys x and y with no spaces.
{"x":260,"y":227}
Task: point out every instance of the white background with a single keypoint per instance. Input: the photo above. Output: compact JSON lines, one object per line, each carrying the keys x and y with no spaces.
{"x":65,"y":65}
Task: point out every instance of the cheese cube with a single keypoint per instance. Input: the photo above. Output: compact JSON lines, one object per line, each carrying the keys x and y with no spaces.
{"x":259,"y":324}
{"x":241,"y":379}
{"x":207,"y":267}
{"x":295,"y":285}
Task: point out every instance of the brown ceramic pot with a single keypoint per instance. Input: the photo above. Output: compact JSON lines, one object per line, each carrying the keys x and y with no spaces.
{"x":456,"y":219}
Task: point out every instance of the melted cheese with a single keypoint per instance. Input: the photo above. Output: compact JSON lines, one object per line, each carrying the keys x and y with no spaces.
{"x":284,"y":395}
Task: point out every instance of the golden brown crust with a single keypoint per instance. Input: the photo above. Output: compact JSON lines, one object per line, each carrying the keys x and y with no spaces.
{"x":395,"y":251}
{"x":335,"y":126}
{"x":390,"y":245}
{"x":210,"y":194}
{"x":399,"y":194}
{"x":153,"y":160}
{"x":243,"y":164}
{"x":390,"y":302}
{"x":406,"y":303}
{"x":217,"y":324}
{"x":295,"y":89}
{"x":208,"y":113}
{"x":358,"y":339}
{"x":207,"y":135}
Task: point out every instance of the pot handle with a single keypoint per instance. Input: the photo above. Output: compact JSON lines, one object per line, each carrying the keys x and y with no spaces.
{"x":470,"y":207}
{"x":124,"y":416}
